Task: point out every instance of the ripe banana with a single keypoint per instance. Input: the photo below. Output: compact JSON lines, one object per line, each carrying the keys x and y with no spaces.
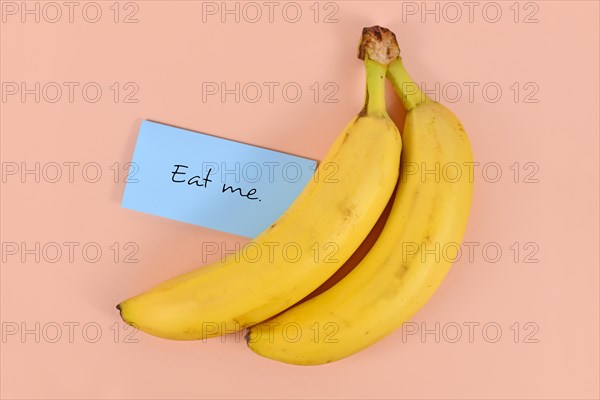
{"x":239,"y":291}
{"x":400,"y":273}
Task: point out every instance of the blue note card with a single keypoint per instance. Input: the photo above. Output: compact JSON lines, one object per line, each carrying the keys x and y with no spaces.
{"x":212,"y":182}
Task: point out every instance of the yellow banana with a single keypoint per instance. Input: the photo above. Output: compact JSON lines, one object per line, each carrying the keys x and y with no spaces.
{"x":328,"y":215}
{"x":409,"y":259}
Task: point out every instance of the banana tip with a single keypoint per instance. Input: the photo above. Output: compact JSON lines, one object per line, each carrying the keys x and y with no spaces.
{"x":379,"y":44}
{"x":121,"y":311}
{"x":120,"y":308}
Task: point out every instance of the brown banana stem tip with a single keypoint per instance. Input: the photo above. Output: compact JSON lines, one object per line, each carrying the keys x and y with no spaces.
{"x":379,"y":44}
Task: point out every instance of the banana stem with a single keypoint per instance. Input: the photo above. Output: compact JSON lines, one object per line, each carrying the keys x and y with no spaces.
{"x":408,"y":91}
{"x":375,"y":94}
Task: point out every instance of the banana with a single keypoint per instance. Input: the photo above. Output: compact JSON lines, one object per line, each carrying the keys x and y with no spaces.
{"x":301,"y":250}
{"x":406,"y":264}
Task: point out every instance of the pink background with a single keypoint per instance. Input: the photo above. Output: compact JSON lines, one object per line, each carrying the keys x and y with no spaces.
{"x":168,"y":53}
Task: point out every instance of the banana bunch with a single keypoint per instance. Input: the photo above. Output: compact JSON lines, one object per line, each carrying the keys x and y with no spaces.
{"x":235,"y":293}
{"x":398,"y":274}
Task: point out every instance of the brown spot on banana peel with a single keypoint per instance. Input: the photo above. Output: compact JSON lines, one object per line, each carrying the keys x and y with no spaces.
{"x":348,"y":212}
{"x":346,"y":136}
{"x":401,"y":271}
